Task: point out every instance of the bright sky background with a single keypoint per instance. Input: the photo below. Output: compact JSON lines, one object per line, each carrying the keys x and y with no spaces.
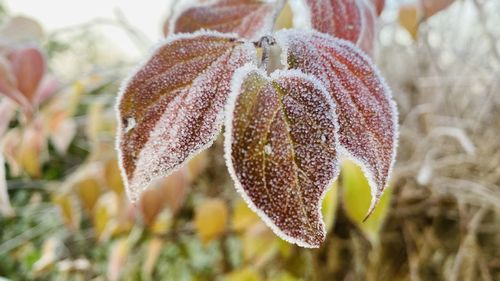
{"x":145,"y":15}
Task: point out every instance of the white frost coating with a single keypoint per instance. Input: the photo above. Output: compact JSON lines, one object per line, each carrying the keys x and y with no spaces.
{"x":267,"y":26}
{"x":183,"y":5}
{"x":130,"y":124}
{"x":283,"y":39}
{"x":301,"y":14}
{"x":132,"y":190}
{"x":376,"y":193}
{"x":236,"y":84}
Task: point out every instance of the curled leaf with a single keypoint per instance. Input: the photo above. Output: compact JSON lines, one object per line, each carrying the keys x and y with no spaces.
{"x":172,"y":107}
{"x":366,"y":112}
{"x":250,"y":19}
{"x":281,"y":149}
{"x":352,"y":20}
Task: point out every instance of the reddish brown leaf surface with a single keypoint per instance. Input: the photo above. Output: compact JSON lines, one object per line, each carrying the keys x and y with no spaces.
{"x":28,"y":65}
{"x":432,"y":7}
{"x":352,"y":20}
{"x":379,"y":6}
{"x":250,"y":19}
{"x":23,"y":78}
{"x":281,"y":149}
{"x":172,"y":107}
{"x":367,"y":115}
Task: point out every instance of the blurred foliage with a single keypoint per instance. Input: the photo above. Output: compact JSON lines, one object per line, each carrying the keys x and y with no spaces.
{"x":70,"y":220}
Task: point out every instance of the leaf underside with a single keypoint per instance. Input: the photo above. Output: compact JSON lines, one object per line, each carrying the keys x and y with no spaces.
{"x":281,"y":150}
{"x":250,"y":19}
{"x":352,"y":20}
{"x":366,"y":113}
{"x":172,"y":107}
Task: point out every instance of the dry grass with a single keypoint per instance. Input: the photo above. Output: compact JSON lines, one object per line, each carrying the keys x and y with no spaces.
{"x":445,"y":222}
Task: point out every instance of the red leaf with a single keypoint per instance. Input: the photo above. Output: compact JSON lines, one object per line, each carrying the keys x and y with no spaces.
{"x":281,"y":149}
{"x":172,"y":107}
{"x":379,"y":6}
{"x":8,"y":84}
{"x":352,"y":20}
{"x":367,"y":115}
{"x":250,"y":19}
{"x":28,"y":65}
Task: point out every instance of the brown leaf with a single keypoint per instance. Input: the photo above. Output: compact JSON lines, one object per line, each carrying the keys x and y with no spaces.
{"x":281,"y":149}
{"x":172,"y":107}
{"x":367,"y":114}
{"x":250,"y":19}
{"x":432,"y":7}
{"x":28,"y":65}
{"x":379,"y":6}
{"x":352,"y":20}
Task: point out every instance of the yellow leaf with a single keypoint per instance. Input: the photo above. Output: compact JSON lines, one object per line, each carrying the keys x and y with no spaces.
{"x":243,"y":217}
{"x":162,"y":223}
{"x":68,"y":210}
{"x":284,"y":276}
{"x":94,"y":121}
{"x":357,"y":198}
{"x":88,"y":191}
{"x":112,"y":176}
{"x":329,"y":207}
{"x":408,"y":18}
{"x":153,"y":251}
{"x":30,"y":151}
{"x":197,"y":165}
{"x":259,"y":244}
{"x":105,"y":211}
{"x":117,"y":259}
{"x":285,"y":18}
{"x":246,"y":274}
{"x":210,"y":219}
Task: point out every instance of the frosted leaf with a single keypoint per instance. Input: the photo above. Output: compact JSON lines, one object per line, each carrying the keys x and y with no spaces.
{"x":352,"y":20}
{"x":250,"y":19}
{"x":366,"y":112}
{"x":276,"y":152}
{"x":172,"y":106}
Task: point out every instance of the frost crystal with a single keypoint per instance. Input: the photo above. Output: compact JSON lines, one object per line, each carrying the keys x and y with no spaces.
{"x":367,"y":115}
{"x":250,"y":19}
{"x":172,"y":107}
{"x":276,"y":152}
{"x":352,"y":20}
